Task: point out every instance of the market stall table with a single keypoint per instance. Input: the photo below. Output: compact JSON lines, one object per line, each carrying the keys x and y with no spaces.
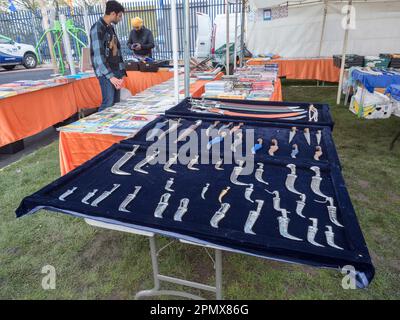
{"x":77,"y":147}
{"x":276,"y":95}
{"x":251,"y":83}
{"x":374,"y":78}
{"x":260,"y":111}
{"x":321,"y":69}
{"x":159,"y":278}
{"x":27,"y":114}
{"x":197,"y":88}
{"x":120,"y":186}
{"x":88,"y":93}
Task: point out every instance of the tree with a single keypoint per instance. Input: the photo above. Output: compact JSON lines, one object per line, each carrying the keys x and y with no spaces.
{"x":82,"y":3}
{"x":19,"y":4}
{"x":35,"y":4}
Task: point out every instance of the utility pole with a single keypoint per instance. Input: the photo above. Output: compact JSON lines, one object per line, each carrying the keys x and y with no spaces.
{"x":45,"y":21}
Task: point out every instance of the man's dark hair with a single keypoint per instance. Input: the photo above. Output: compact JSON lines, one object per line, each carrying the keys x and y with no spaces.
{"x":114,"y":6}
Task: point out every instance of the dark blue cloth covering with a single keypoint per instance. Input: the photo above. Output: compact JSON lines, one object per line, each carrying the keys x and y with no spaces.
{"x":370,"y":81}
{"x":267,"y":131}
{"x":267,"y":243}
{"x":324,"y":116}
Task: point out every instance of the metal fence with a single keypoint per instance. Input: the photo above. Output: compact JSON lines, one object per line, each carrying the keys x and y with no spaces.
{"x":26,"y":26}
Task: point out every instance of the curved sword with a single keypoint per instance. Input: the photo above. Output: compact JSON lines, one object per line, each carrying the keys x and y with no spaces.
{"x":116,"y":168}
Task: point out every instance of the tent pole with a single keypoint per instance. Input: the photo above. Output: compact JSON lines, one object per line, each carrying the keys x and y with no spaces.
{"x":346,"y":37}
{"x":175,"y":49}
{"x":227,"y":37}
{"x":242,"y":33}
{"x":187,"y":49}
{"x":235,"y":47}
{"x":86,"y":22}
{"x":323,"y":27}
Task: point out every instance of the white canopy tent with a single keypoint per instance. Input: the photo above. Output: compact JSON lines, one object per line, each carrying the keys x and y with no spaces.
{"x":300,"y":34}
{"x":314,"y":28}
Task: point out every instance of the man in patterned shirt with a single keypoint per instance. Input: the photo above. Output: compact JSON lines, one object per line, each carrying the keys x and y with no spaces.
{"x":105,"y":53}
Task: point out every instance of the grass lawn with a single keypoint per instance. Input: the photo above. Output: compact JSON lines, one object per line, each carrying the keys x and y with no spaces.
{"x":93,"y":263}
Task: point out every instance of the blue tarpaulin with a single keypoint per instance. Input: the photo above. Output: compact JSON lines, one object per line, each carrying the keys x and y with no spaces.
{"x":372,"y":81}
{"x":394,"y":91}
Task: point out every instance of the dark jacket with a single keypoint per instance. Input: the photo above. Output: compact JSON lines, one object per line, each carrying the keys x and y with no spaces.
{"x":105,"y":62}
{"x":145,"y":38}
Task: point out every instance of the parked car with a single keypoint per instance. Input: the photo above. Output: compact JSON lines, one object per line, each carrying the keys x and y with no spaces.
{"x":13,"y":53}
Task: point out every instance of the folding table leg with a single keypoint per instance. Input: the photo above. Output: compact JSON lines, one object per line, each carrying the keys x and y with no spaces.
{"x":218,"y":274}
{"x":157,"y":277}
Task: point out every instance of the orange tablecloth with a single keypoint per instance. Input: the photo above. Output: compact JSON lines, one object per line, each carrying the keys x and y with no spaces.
{"x":304,"y":69}
{"x":29,"y":113}
{"x":277,"y":95}
{"x":198,"y":88}
{"x":87,"y":93}
{"x":76,"y":148}
{"x":138,"y":81}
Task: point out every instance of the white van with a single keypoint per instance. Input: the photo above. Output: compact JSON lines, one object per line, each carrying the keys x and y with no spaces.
{"x":211,"y":37}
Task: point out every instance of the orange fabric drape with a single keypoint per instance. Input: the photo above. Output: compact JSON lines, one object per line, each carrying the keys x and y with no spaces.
{"x":277,"y":95}
{"x":87,"y":93}
{"x":76,"y":148}
{"x":29,"y":113}
{"x":198,"y":88}
{"x":321,"y":69}
{"x":138,"y":81}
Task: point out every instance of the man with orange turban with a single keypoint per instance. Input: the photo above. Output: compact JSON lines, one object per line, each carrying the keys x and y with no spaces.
{"x":141,"y":39}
